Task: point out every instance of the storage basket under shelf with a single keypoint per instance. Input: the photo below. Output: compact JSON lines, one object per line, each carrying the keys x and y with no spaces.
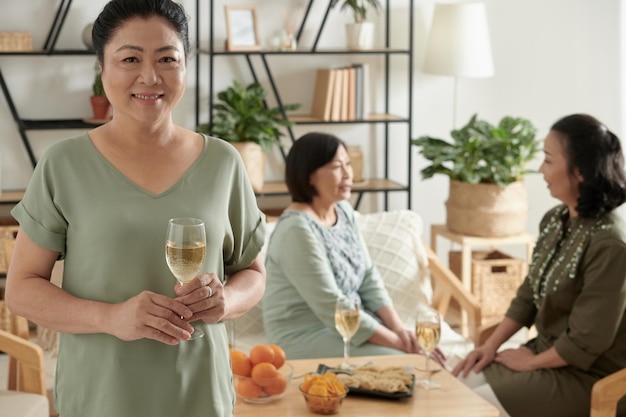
{"x":16,"y":42}
{"x":495,"y":279}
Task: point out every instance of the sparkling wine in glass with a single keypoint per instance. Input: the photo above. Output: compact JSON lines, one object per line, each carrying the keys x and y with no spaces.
{"x":185,"y":251}
{"x":347,"y":319}
{"x":428,"y":332}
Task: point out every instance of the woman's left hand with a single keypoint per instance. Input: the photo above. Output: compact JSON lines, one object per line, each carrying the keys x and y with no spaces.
{"x":205,"y":296}
{"x":519,"y":359}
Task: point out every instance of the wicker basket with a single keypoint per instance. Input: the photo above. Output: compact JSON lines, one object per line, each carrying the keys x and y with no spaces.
{"x":16,"y":42}
{"x":495,"y":279}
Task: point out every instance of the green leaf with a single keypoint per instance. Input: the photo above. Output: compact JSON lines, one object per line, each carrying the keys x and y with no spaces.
{"x":241,"y":115}
{"x":480,"y":152}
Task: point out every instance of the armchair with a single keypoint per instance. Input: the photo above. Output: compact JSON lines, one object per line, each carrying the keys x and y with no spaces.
{"x":26,"y":394}
{"x":606,"y":393}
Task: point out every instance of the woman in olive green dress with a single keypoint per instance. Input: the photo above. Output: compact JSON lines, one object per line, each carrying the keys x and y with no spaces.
{"x":575,"y":292}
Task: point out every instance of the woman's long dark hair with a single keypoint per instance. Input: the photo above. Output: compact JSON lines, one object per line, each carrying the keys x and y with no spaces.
{"x":595,"y":152}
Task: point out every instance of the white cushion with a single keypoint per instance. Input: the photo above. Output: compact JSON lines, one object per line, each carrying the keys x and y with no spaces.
{"x":249,"y":330}
{"x":13,"y":403}
{"x":394,"y":241}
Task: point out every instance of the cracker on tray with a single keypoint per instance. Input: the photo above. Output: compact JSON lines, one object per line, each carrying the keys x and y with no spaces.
{"x":390,"y":379}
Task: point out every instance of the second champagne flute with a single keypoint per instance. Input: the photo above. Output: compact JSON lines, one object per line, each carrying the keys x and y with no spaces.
{"x":428,"y":331}
{"x":347,"y":320}
{"x":185,"y":250}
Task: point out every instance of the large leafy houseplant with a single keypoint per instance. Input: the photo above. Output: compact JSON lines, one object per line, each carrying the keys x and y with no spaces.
{"x":358,"y":7}
{"x":480,"y":152}
{"x":241,"y":115}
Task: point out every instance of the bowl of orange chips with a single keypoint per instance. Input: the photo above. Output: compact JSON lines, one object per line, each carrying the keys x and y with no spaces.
{"x":262,"y":376}
{"x":323,"y":393}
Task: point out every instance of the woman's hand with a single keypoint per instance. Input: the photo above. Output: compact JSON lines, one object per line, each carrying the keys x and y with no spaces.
{"x":152,"y":316}
{"x":407,"y":340}
{"x":476,"y":361}
{"x":204,"y":295}
{"x":520,"y":359}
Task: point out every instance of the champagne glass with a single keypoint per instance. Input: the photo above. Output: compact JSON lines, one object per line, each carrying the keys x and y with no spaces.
{"x":428,"y":332}
{"x":347,"y":319}
{"x":185,"y":250}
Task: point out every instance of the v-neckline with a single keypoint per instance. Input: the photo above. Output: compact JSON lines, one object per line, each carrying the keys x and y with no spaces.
{"x":165,"y":192}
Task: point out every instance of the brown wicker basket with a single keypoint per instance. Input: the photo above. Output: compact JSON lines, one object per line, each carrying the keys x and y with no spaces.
{"x":16,"y":42}
{"x":495,"y":279}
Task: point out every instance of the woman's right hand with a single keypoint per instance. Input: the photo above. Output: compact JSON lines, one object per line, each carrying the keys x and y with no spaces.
{"x":152,"y":316}
{"x":476,"y":360}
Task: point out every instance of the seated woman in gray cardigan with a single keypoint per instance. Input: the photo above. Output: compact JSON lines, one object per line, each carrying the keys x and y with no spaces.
{"x":317,"y":254}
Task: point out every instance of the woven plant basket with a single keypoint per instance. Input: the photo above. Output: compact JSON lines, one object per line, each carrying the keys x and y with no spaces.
{"x":496,"y":277}
{"x":487,"y":209}
{"x":254,"y":160}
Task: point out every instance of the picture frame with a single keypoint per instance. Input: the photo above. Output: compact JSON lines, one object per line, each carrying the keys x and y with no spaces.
{"x":242,"y":28}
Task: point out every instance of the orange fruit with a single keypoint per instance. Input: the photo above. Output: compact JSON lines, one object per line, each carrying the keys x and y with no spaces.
{"x":247,"y":388}
{"x":240,"y":363}
{"x":263,"y":374}
{"x":279,"y":356}
{"x":277,"y":386}
{"x":261,"y":353}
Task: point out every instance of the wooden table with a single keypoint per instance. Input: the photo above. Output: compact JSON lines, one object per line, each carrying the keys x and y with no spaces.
{"x":452,"y":399}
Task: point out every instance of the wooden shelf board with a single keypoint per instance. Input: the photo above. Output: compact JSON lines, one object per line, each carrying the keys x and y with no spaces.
{"x":11,"y":196}
{"x":372,"y":118}
{"x":373,"y":184}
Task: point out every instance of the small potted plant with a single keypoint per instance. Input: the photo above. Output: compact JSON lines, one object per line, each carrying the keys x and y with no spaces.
{"x":241,"y":117}
{"x":99,"y":103}
{"x":360,"y":34}
{"x":486,"y":165}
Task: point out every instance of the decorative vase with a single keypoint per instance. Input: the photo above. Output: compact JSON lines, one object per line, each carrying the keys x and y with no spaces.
{"x":86,"y":35}
{"x":487,"y":209}
{"x":360,"y":36}
{"x":101,"y":107}
{"x":254,"y":161}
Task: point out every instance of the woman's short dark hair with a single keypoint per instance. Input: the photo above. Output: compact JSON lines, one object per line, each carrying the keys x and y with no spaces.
{"x":308,"y":153}
{"x":596,"y":153}
{"x":116,"y":12}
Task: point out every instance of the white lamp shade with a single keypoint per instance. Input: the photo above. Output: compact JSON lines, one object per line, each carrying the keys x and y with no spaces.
{"x":458,"y":43}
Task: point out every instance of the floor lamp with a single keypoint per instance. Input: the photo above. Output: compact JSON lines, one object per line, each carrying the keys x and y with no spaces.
{"x":458,"y":44}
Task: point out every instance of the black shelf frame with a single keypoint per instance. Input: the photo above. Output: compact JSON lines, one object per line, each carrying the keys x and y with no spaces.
{"x":49,"y":49}
{"x":387,"y":52}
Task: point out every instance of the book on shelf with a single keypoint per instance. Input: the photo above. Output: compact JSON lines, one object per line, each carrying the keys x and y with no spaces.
{"x":336,"y":100}
{"x":351,"y":111}
{"x":323,"y":93}
{"x":341,"y":94}
{"x":345,"y":93}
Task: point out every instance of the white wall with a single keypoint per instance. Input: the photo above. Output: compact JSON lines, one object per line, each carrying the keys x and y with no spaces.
{"x":551,"y":58}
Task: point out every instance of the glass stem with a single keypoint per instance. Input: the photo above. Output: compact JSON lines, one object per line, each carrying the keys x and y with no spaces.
{"x":427,"y":367}
{"x":346,"y":350}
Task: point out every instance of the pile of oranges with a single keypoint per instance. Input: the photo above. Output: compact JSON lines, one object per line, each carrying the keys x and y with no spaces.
{"x":258,"y":374}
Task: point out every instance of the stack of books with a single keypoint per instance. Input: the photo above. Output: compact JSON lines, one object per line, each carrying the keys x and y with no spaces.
{"x":340,"y":93}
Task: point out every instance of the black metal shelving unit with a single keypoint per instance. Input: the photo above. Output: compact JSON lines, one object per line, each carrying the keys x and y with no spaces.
{"x":374,"y":185}
{"x":49,"y":49}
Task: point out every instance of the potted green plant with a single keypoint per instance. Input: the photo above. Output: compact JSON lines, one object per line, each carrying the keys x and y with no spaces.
{"x":486,"y":165}
{"x":99,"y":103}
{"x":241,"y":117}
{"x":360,"y":34}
